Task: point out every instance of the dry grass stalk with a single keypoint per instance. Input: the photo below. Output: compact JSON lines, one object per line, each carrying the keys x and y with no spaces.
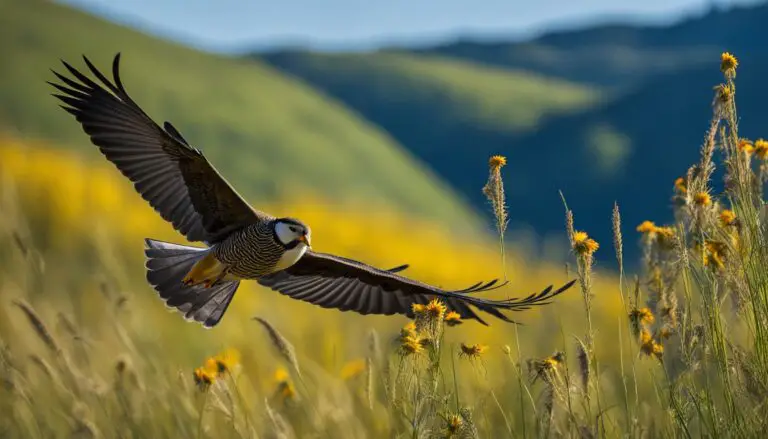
{"x":281,"y":344}
{"x":618,"y":241}
{"x":583,"y":359}
{"x":494,"y":192}
{"x":39,"y":326}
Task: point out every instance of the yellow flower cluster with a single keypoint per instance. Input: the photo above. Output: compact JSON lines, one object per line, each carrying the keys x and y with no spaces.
{"x":681,"y":185}
{"x":285,"y":388}
{"x":714,"y":254}
{"x":642,"y":316}
{"x":546,"y":368}
{"x":761,"y":149}
{"x":473,"y":351}
{"x":216,"y":367}
{"x":663,"y":235}
{"x":728,"y":63}
{"x":745,"y":146}
{"x":727,"y":218}
{"x":497,"y":161}
{"x":649,"y":346}
{"x":410,"y":341}
{"x":583,"y":244}
{"x":641,"y":320}
{"x":453,"y":318}
{"x":702,"y":199}
{"x":352,"y":369}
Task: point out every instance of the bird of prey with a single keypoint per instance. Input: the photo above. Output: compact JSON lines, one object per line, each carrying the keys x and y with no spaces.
{"x":240,"y":242}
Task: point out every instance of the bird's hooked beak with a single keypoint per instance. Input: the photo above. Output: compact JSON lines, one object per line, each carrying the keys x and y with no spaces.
{"x":305,"y":240}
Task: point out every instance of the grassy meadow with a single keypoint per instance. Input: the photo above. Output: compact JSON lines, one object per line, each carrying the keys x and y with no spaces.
{"x":678,"y":349}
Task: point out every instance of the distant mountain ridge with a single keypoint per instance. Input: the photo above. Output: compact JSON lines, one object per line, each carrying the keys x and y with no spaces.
{"x":638,"y":104}
{"x":623,"y":54}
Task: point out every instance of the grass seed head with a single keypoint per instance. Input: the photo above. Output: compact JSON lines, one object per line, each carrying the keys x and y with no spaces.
{"x":281,"y":344}
{"x":38,"y":325}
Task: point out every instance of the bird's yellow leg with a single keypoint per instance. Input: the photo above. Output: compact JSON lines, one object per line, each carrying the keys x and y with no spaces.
{"x":206,"y":271}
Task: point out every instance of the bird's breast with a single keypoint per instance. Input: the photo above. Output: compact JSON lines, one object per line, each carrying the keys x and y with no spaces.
{"x":290,"y":257}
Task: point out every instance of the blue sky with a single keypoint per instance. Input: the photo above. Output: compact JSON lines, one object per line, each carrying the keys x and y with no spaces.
{"x":340,"y":24}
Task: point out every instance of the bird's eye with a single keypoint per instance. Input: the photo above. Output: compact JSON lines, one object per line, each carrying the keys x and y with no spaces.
{"x":294,"y":230}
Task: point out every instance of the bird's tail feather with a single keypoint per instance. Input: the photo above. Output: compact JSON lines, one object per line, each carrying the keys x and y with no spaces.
{"x":167,"y":264}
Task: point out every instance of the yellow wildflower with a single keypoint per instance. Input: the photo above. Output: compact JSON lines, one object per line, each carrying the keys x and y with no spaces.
{"x":453,"y":425}
{"x":643,"y":316}
{"x":453,"y":318}
{"x":352,"y":369}
{"x":649,"y":346}
{"x":727,"y":217}
{"x":728,"y":63}
{"x":647,"y":227}
{"x":665,"y":236}
{"x":555,"y":359}
{"x":681,"y":185}
{"x":497,"y":161}
{"x":411,"y":345}
{"x":285,"y":388}
{"x":702,"y":199}
{"x":472,"y":351}
{"x":745,"y":146}
{"x":282,"y":375}
{"x":204,"y":377}
{"x":723,"y":93}
{"x":408,"y":330}
{"x":418,"y":308}
{"x":435,"y":309}
{"x":545,"y":369}
{"x":714,"y":255}
{"x":226,"y":361}
{"x":583,"y":244}
{"x":761,"y":149}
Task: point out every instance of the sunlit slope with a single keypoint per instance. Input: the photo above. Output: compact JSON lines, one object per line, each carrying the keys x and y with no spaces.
{"x":439,"y":91}
{"x":272,"y":136}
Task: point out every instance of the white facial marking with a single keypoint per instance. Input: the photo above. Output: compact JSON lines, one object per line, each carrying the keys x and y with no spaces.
{"x":285,"y":232}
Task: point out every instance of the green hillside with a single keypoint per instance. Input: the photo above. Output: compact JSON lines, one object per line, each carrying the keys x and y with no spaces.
{"x":466,"y":93}
{"x":451,"y":114}
{"x":272,"y":136}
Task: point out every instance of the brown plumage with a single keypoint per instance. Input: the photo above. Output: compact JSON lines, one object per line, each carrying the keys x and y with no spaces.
{"x":242,"y":243}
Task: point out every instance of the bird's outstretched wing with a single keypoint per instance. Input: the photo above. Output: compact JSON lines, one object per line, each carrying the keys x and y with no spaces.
{"x":335,"y":282}
{"x":175,"y":178}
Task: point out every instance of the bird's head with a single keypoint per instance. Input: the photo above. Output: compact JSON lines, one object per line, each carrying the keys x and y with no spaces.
{"x":291,"y":232}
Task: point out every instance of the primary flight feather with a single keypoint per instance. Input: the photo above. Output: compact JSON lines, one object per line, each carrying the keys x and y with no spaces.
{"x":242,"y":242}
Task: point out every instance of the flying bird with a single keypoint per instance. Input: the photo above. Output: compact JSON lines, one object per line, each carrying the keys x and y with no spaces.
{"x":240,"y":242}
